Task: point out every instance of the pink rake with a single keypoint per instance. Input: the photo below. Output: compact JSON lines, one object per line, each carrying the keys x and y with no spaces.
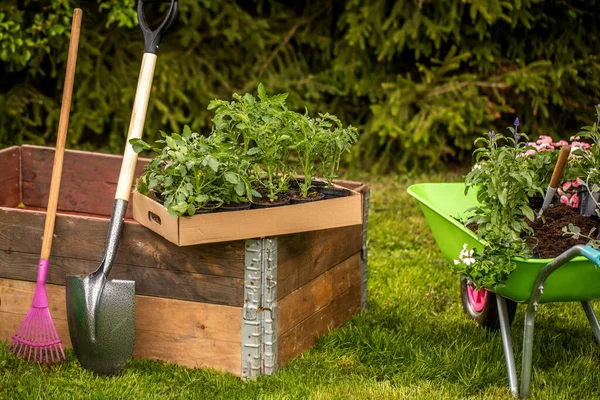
{"x":37,"y":333}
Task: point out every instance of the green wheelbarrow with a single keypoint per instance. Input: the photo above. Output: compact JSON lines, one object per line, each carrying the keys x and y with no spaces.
{"x":572,"y":276}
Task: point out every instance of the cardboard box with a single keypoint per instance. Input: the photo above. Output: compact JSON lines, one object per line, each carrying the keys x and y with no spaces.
{"x":247,"y":224}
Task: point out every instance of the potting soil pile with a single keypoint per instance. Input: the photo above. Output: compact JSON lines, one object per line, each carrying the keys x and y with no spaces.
{"x":549,"y":230}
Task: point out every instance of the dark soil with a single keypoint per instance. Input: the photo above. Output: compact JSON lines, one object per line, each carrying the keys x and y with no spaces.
{"x":549,"y":234}
{"x":296,"y":197}
{"x":266,"y":202}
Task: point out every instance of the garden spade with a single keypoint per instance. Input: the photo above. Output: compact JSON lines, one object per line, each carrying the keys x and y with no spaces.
{"x":100,"y":311}
{"x":556,"y":175}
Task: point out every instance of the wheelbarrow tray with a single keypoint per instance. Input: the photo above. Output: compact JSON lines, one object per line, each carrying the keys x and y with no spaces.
{"x":444,"y":203}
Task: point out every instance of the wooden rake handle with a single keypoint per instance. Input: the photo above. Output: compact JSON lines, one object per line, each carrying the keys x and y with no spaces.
{"x":63,"y":125}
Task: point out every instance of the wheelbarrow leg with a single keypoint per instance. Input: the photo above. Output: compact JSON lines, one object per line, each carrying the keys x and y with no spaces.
{"x":528,"y":348}
{"x":591,"y":316}
{"x":511,"y":367}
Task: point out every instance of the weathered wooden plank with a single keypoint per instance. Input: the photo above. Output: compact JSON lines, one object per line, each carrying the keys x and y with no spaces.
{"x":149,"y":281}
{"x":304,"y":256}
{"x":10,"y":179}
{"x":10,"y":193}
{"x":304,"y":335}
{"x":77,"y":165}
{"x":88,"y":182}
{"x":84,"y":238}
{"x":318,"y":293}
{"x":190,"y":334}
{"x":80,"y":196}
{"x":189,"y":351}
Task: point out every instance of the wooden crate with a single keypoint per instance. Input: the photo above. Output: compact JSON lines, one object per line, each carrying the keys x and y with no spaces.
{"x":246,"y":306}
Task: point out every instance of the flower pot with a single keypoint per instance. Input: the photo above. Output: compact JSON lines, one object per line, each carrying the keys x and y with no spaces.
{"x":265,"y":202}
{"x":235,"y":207}
{"x":296,"y":197}
{"x":294,"y":184}
{"x":588,"y":203}
{"x":536,"y":202}
{"x":333,"y":192}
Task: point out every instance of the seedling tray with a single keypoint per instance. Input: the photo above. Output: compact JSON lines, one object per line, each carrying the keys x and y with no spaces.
{"x":255,"y":223}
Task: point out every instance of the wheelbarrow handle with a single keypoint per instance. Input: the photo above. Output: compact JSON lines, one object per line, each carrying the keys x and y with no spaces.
{"x":152,"y":38}
{"x":591,"y":254}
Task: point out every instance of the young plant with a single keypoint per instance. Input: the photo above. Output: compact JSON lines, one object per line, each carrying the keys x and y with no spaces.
{"x":504,"y":185}
{"x":191,"y":172}
{"x":261,"y":128}
{"x":340,"y":140}
{"x":310,"y":137}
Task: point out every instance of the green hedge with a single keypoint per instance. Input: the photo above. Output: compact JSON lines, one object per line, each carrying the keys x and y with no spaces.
{"x":420,"y":78}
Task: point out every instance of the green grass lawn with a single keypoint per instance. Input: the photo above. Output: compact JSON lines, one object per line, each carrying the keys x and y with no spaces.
{"x":413,"y":342}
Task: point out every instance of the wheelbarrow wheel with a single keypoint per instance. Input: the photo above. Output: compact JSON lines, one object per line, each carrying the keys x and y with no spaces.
{"x":481,"y":306}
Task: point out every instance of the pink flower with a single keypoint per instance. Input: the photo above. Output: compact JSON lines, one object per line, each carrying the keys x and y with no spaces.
{"x":575,"y":183}
{"x":566,"y":186}
{"x":545,"y":139}
{"x":564,"y":200}
{"x":561,"y":143}
{"x":580,"y":145}
{"x":529,"y":152}
{"x":574,"y":201}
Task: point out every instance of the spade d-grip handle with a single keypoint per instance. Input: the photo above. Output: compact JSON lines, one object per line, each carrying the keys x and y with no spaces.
{"x":152,"y":38}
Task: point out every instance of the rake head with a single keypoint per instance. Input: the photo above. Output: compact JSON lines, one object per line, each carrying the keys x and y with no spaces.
{"x":37,"y":335}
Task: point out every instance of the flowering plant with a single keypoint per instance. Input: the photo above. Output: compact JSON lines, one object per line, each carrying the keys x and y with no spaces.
{"x":585,"y":163}
{"x":504,"y":184}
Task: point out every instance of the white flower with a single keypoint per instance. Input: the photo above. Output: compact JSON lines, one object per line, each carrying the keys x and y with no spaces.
{"x":476,"y":166}
{"x":469,"y":260}
{"x":456,"y":262}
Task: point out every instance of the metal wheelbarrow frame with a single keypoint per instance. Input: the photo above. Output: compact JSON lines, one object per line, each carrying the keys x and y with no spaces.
{"x":572,"y":276}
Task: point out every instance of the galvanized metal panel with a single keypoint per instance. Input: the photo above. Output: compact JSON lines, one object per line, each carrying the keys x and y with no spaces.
{"x":259,"y":318}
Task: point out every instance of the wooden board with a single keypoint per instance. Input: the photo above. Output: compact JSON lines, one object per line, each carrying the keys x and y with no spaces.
{"x":149,"y":281}
{"x":304,"y":335}
{"x":303,"y":257}
{"x":89,"y":180}
{"x":188,"y":333}
{"x":10,"y":177}
{"x":318,"y":293}
{"x":22,"y":231}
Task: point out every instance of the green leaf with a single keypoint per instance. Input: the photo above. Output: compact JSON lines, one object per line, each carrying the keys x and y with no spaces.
{"x":231,"y":177}
{"x":253,"y":151}
{"x":528,"y":212}
{"x":262,"y":93}
{"x":240,"y":188}
{"x":171,"y":142}
{"x":213,"y":163}
{"x":139,"y":145}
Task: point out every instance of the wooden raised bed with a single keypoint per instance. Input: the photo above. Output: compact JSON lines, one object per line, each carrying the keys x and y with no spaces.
{"x":245,"y":306}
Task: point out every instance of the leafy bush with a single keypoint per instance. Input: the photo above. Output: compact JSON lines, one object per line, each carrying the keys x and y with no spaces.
{"x":504,"y":184}
{"x":419,"y":79}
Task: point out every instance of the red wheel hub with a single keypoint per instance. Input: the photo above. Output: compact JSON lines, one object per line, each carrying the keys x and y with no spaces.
{"x":477,"y":298}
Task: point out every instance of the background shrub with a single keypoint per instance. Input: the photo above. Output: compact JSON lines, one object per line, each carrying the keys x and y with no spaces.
{"x":420,"y":78}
